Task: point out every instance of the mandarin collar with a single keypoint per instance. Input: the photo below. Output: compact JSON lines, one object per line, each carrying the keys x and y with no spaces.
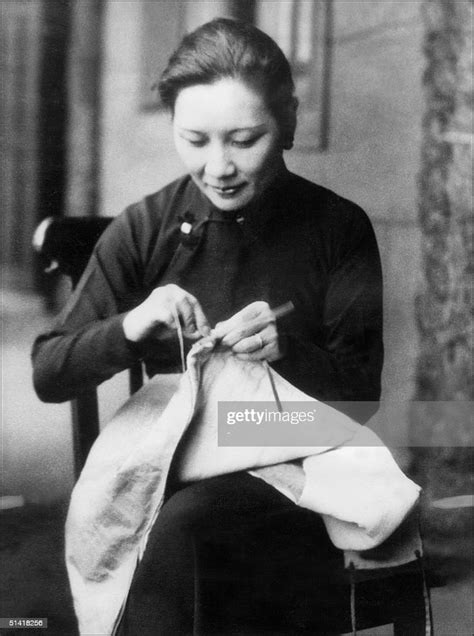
{"x":254,"y":218}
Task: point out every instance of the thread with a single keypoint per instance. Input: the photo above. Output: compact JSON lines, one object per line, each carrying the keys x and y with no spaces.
{"x":272,"y":384}
{"x":353,"y":599}
{"x":426,"y":596}
{"x":179,"y":331}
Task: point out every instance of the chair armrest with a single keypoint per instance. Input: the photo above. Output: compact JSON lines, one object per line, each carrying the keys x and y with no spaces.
{"x":65,"y":244}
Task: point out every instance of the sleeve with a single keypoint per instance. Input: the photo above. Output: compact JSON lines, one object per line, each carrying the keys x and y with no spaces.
{"x":344,"y":366}
{"x":87,"y":344}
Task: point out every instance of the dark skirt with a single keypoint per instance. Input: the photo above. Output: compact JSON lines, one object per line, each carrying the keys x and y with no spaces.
{"x":232,"y":555}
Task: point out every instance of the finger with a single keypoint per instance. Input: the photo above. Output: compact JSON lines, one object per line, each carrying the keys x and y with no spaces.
{"x":264,"y":345}
{"x":249,"y":345}
{"x":195,"y":335}
{"x":269,"y":353}
{"x":245,"y":315}
{"x":253,"y":356}
{"x":195,"y":324}
{"x":268,"y":336}
{"x":187,"y":317}
{"x":242,"y":332}
{"x":261,"y":327}
{"x":248,"y":329}
{"x":202,"y":324}
{"x":252,"y":311}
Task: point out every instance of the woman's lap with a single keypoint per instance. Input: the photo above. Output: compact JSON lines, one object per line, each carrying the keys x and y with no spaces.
{"x":230,"y":555}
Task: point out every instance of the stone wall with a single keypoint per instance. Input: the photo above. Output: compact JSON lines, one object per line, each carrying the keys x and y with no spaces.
{"x":444,"y":387}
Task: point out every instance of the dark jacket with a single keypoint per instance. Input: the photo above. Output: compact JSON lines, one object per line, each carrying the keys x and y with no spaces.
{"x":300,"y":242}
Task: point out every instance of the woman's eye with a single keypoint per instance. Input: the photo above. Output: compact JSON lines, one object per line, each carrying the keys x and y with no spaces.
{"x":196,"y":142}
{"x":244,"y":143}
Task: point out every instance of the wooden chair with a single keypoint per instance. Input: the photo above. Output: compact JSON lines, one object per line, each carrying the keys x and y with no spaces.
{"x":64,"y":245}
{"x":397,"y":595}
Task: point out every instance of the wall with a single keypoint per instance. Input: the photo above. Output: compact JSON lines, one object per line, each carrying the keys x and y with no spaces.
{"x":442,"y":414}
{"x":374,"y":159}
{"x":137,"y":150}
{"x":21,"y":50}
{"x":36,"y":454}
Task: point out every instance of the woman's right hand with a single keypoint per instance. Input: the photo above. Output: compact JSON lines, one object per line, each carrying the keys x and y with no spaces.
{"x":156,"y":316}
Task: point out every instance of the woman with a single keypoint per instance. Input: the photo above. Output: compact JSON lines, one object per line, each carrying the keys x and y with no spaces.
{"x":219,"y":249}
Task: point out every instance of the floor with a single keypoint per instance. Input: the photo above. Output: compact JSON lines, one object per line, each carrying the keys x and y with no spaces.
{"x":34,"y":583}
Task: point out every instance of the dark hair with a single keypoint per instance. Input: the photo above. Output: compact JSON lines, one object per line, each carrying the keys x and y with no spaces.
{"x":226,"y":48}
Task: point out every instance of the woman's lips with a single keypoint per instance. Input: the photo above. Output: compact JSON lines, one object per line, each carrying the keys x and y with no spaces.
{"x":228,"y":191}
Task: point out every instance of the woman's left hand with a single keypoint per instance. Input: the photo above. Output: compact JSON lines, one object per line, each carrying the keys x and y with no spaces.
{"x":251,"y":333}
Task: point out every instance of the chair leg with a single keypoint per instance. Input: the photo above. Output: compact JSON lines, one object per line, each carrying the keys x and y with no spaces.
{"x":412,"y":626}
{"x":413,"y":616}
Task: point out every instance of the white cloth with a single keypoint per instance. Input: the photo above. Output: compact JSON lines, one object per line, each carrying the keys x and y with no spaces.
{"x":120,"y":491}
{"x":359,"y":490}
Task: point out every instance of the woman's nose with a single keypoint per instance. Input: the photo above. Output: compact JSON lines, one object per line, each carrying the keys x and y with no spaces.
{"x":219,"y":164}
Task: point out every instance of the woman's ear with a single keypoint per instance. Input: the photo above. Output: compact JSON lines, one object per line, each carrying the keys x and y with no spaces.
{"x":290,"y":125}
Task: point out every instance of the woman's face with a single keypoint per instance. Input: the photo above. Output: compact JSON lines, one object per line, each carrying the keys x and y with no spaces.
{"x":228,"y":141}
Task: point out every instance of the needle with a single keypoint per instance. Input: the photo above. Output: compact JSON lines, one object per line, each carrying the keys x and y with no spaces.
{"x":283,"y":310}
{"x":278,"y":312}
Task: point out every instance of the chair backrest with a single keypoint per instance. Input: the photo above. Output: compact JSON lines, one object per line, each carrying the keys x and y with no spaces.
{"x":65,"y":245}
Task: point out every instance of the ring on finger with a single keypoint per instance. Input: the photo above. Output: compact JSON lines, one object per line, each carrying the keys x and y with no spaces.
{"x":261,"y":344}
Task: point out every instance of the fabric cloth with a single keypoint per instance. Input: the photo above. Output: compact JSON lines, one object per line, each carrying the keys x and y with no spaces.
{"x":300,"y":242}
{"x":118,"y":497}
